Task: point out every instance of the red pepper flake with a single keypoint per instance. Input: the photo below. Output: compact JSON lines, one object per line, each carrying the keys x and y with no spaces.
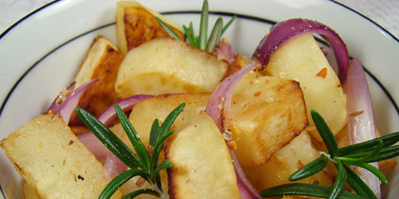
{"x":322,"y":73}
{"x":257,"y":94}
{"x":71,"y":142}
{"x":299,"y":164}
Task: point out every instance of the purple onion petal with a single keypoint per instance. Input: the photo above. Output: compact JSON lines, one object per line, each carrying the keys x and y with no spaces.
{"x":113,"y":166}
{"x":66,"y":107}
{"x":283,"y":31}
{"x":361,"y":126}
{"x":61,"y":97}
{"x":222,"y":96}
{"x":126,"y":104}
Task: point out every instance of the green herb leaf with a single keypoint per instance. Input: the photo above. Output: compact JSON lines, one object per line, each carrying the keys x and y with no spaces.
{"x":386,"y":153}
{"x":118,"y":181}
{"x":325,"y":133}
{"x":163,"y":133}
{"x":370,"y":145}
{"x":166,"y":164}
{"x":141,"y":151}
{"x":340,"y":181}
{"x":358,"y":185}
{"x":305,"y":190}
{"x":144,"y":166}
{"x":228,"y":24}
{"x":203,"y":32}
{"x":154,"y":130}
{"x":190,"y":34}
{"x":366,"y":156}
{"x":310,"y":169}
{"x":110,"y":140}
{"x":168,"y":29}
{"x":370,"y":168}
{"x":215,"y":35}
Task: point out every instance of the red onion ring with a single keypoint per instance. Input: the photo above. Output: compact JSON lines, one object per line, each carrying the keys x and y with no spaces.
{"x":219,"y":109}
{"x":283,"y":31}
{"x":92,"y":143}
{"x":361,"y":125}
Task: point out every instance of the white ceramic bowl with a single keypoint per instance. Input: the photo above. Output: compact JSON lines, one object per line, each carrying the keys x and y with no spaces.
{"x":40,"y":54}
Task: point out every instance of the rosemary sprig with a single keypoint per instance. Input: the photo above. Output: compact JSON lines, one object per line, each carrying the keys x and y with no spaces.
{"x":202,"y":41}
{"x":145,"y":164}
{"x":358,"y":155}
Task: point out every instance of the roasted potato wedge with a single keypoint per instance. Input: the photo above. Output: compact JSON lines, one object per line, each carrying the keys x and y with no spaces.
{"x":144,"y":112}
{"x":301,"y":59}
{"x":136,"y":24}
{"x":202,"y":166}
{"x":266,"y":114}
{"x":285,"y":162}
{"x":102,"y":62}
{"x":167,"y":65}
{"x":53,"y":161}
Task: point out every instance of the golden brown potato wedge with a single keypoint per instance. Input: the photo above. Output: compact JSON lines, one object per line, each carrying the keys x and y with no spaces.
{"x":167,"y":65}
{"x":285,"y":162}
{"x":53,"y":161}
{"x":202,"y":166}
{"x":102,"y":62}
{"x":136,"y":24}
{"x":144,"y":112}
{"x":301,"y":59}
{"x":267,"y":113}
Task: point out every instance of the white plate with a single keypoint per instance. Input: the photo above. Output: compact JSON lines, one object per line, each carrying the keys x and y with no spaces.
{"x":40,"y":54}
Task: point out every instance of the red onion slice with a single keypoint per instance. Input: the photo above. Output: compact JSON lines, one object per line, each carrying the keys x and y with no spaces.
{"x":224,"y":51}
{"x":283,"y":31}
{"x":64,"y":107}
{"x":113,"y":166}
{"x":62,"y":97}
{"x":126,"y":104}
{"x":92,"y":142}
{"x":219,"y":108}
{"x":220,"y":100}
{"x":361,"y":125}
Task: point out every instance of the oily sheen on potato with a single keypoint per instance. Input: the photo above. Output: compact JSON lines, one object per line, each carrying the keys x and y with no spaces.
{"x":266,"y":114}
{"x":301,"y":59}
{"x":53,"y":161}
{"x":167,"y":65}
{"x":102,"y":62}
{"x":202,"y":165}
{"x":136,"y":24}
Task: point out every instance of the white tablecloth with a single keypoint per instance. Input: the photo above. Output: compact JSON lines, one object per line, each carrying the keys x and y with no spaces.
{"x":384,"y":12}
